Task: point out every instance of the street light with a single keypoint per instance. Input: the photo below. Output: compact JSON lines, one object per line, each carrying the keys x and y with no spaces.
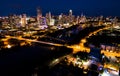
{"x":9,"y":46}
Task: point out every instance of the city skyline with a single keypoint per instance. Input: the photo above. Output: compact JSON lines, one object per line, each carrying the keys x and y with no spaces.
{"x":59,"y":38}
{"x":89,"y":8}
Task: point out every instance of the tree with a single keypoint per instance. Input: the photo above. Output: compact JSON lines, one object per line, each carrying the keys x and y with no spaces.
{"x":1,"y":44}
{"x":13,"y":41}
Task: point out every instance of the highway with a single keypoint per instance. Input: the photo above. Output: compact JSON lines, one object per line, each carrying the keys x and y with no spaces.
{"x":33,"y":40}
{"x":76,"y":48}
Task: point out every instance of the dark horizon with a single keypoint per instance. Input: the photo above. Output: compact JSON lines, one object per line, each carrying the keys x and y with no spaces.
{"x":87,"y":7}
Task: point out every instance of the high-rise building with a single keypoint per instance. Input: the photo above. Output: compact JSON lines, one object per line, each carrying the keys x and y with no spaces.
{"x":50,"y":16}
{"x":43,"y":23}
{"x":14,"y":20}
{"x":70,"y":16}
{"x":52,"y":22}
{"x":60,"y":16}
{"x":77,"y":19}
{"x":39,"y":15}
{"x":39,"y":12}
{"x":83,"y":18}
{"x":23,"y":20}
{"x":115,"y":21}
{"x":70,"y":12}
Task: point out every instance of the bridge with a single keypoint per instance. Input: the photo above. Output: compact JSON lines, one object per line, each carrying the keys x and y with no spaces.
{"x":33,"y":40}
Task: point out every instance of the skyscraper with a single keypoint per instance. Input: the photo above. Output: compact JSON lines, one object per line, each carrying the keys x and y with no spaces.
{"x":39,"y":15}
{"x":42,"y":22}
{"x":39,"y":12}
{"x":49,"y":16}
{"x":70,"y":12}
{"x":70,"y":16}
{"x":23,"y":20}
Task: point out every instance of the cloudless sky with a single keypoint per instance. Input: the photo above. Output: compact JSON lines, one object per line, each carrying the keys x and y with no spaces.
{"x":88,"y":7}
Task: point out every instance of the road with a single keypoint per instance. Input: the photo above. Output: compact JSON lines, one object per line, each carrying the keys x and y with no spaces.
{"x":81,"y":47}
{"x":76,"y":48}
{"x":33,"y":40}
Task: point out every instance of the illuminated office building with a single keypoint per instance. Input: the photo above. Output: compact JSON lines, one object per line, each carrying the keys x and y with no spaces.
{"x":23,"y":20}
{"x":49,"y":16}
{"x":77,"y":19}
{"x":70,"y":12}
{"x":39,"y":16}
{"x":43,"y":23}
{"x":52,"y":22}
{"x":83,"y":18}
{"x":70,"y":16}
{"x":49,"y":19}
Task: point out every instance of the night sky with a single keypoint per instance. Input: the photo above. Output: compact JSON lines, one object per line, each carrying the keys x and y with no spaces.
{"x":87,"y":7}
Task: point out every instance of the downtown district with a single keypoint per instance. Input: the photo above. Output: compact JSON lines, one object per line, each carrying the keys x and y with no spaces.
{"x":68,"y":31}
